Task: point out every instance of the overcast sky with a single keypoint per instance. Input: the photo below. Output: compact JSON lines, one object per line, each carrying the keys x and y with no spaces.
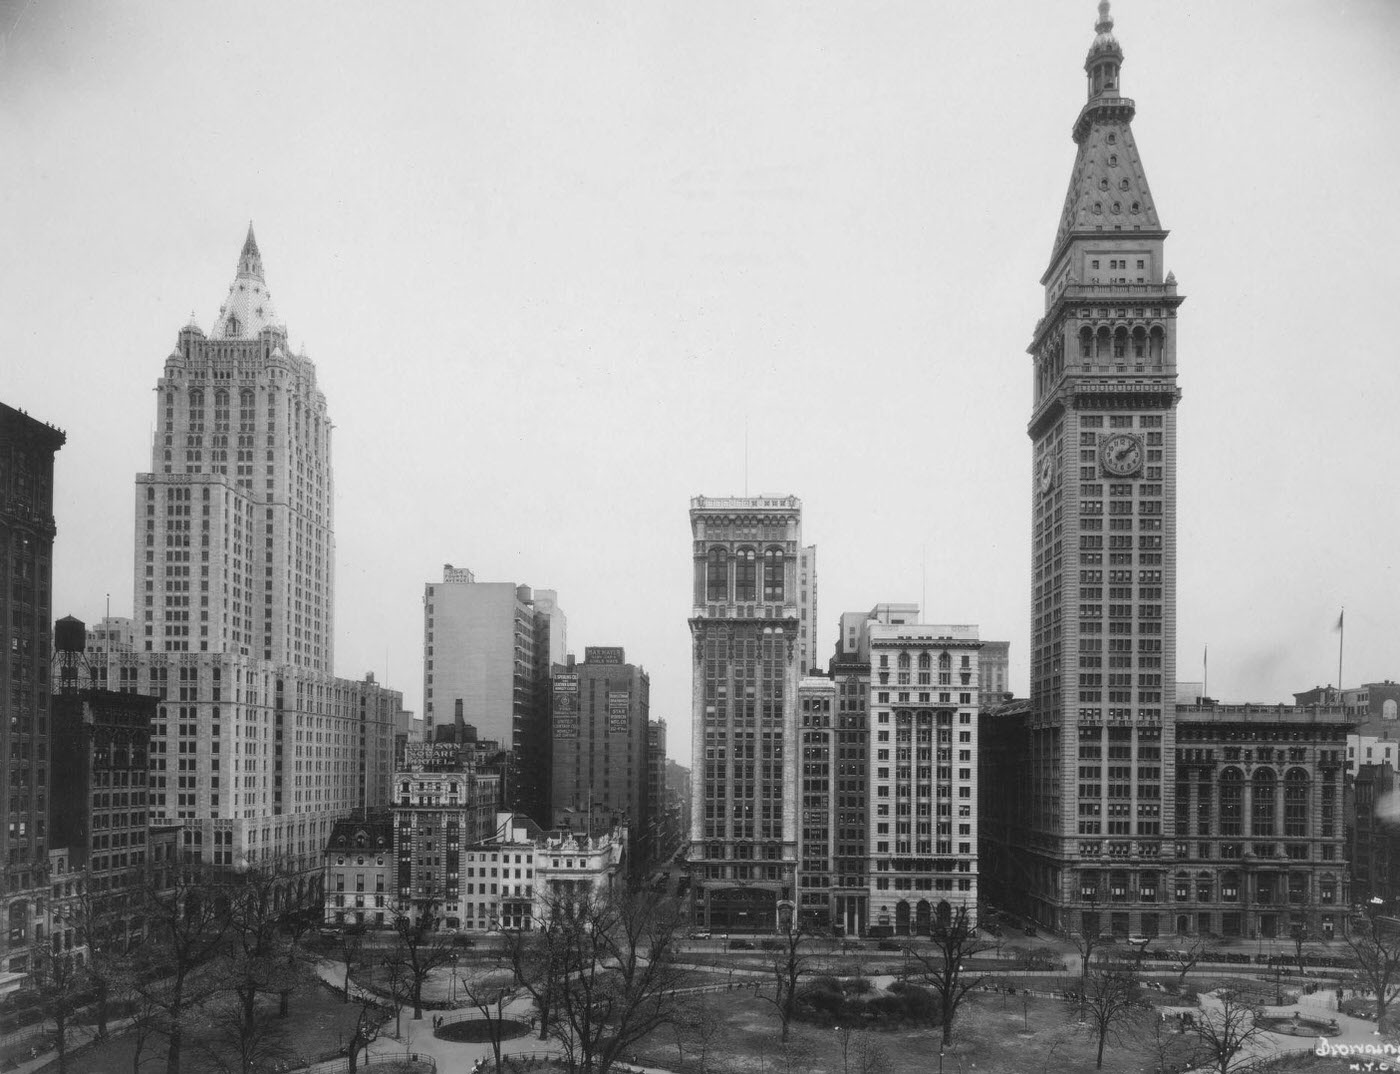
{"x":557,"y":263}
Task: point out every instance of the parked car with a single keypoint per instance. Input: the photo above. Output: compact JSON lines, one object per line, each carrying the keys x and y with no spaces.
{"x":888,"y":945}
{"x":741,"y":945}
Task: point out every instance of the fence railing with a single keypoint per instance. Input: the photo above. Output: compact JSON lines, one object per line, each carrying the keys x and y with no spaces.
{"x":366,"y":1063}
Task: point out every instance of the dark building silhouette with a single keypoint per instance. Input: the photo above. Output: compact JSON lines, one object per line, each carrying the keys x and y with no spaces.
{"x":27,"y":530}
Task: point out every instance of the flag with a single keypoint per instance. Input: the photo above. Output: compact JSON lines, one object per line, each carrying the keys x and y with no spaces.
{"x":1339,"y":620}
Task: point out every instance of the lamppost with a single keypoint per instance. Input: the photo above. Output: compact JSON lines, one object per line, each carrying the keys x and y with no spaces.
{"x":452,"y":961}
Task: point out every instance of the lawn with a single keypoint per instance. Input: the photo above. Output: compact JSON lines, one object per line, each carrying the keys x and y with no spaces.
{"x":317,"y":1025}
{"x":995,"y":1031}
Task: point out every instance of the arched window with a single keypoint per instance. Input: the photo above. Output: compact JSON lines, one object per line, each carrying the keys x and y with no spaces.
{"x":1086,"y":342}
{"x":1262,"y":806}
{"x":773,"y":572}
{"x":1103,"y":344}
{"x":745,"y":575}
{"x":925,"y":661}
{"x":1120,"y":342}
{"x":1156,"y":341}
{"x":1231,"y":802}
{"x":944,"y":661}
{"x":1139,"y":343}
{"x":902,"y":660}
{"x":1295,"y":803}
{"x":717,"y":576}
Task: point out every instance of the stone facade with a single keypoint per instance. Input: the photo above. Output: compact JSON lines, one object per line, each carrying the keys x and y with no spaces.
{"x":256,"y":747}
{"x":922,"y":829}
{"x":744,"y":626}
{"x":441,"y":806}
{"x":1260,"y":846}
{"x":1103,"y":507}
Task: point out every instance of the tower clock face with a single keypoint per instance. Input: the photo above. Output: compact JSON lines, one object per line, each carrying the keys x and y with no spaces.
{"x":1047,"y":474}
{"x":1121,"y":454}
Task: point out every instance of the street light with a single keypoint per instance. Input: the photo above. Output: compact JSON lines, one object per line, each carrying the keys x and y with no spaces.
{"x":452,"y":960}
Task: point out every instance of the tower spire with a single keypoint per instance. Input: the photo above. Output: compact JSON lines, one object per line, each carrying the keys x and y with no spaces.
{"x":248,"y":309}
{"x":250,"y":260}
{"x":1105,"y":56}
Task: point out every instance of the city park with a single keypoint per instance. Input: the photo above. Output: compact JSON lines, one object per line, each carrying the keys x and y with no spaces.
{"x":617,"y":982}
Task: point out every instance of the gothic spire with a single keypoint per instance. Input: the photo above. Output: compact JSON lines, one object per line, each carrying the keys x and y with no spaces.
{"x":250,"y":260}
{"x":248,"y":309}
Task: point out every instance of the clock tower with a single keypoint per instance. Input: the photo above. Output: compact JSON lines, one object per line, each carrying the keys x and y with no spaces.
{"x":1103,"y":550}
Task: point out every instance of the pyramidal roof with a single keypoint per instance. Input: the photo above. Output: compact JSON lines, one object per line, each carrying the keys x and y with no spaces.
{"x":1108,"y":188}
{"x":248,"y":309}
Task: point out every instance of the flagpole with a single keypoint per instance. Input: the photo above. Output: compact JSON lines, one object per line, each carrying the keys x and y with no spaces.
{"x":1205,"y":673}
{"x":1341,"y":646}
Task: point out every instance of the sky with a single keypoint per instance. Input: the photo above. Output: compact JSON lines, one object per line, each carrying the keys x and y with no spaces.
{"x":563,"y":266}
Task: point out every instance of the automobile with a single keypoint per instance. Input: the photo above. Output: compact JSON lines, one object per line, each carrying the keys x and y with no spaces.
{"x":888,"y":945}
{"x":699,"y":935}
{"x":741,"y":945}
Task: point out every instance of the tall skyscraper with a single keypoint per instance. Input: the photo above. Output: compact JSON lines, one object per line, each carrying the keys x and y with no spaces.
{"x":489,"y":647}
{"x":745,"y":670}
{"x":240,"y":492}
{"x":256,"y":747}
{"x":1103,"y":568}
{"x":27,"y":530}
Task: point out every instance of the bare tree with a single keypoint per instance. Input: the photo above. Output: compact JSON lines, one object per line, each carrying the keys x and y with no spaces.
{"x":1376,"y":946}
{"x":187,"y":921}
{"x":419,"y":948}
{"x":1300,"y":937}
{"x":943,"y":964}
{"x":700,"y":1030}
{"x":489,"y":993}
{"x":398,"y":981}
{"x":1057,"y":1041}
{"x":1164,"y":1049}
{"x":365,"y":1030}
{"x":236,"y":1044}
{"x":1226,"y":1036}
{"x":790,"y":964}
{"x":257,"y":958}
{"x":619,"y":977}
{"x":349,"y":944}
{"x":860,"y":1052}
{"x":1108,"y":1004}
{"x":536,"y":957}
{"x":56,"y":979}
{"x":1184,"y":960}
{"x":96,"y":926}
{"x":145,"y":1021}
{"x":1085,"y":944}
